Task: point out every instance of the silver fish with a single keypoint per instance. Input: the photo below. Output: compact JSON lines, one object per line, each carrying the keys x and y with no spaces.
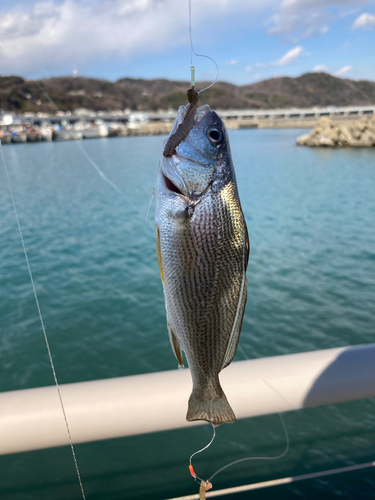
{"x":202,"y":249}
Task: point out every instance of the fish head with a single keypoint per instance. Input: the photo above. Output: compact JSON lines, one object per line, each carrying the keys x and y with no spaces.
{"x":203,"y":159}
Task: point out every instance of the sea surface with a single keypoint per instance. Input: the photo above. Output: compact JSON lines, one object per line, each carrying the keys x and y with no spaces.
{"x":311,"y":221}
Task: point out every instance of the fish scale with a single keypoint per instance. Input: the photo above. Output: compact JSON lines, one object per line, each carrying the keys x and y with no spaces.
{"x":202,"y":248}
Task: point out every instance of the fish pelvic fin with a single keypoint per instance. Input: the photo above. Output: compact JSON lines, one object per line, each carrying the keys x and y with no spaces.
{"x":215,"y":412}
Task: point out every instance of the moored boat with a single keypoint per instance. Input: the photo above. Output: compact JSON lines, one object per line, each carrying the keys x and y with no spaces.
{"x":67,"y":135}
{"x":34,"y":137}
{"x":6,"y":139}
{"x":19,"y":137}
{"x":46,"y":132}
{"x":116,"y":129}
{"x":96,"y":130}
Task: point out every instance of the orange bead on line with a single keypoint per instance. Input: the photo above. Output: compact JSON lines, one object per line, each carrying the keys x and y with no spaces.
{"x":192,"y":471}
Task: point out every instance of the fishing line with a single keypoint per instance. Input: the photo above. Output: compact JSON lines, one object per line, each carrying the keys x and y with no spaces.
{"x":42,"y":323}
{"x":98,"y":169}
{"x":192,"y":51}
{"x":100,"y":172}
{"x":47,"y":95}
{"x":151,"y":200}
{"x":95,"y":165}
{"x":281,"y":455}
{"x":85,"y":153}
{"x":200,"y":451}
{"x":287,"y":439}
{"x":240,"y":348}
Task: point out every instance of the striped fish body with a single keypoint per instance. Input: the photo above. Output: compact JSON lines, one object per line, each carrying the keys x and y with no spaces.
{"x":202,"y":248}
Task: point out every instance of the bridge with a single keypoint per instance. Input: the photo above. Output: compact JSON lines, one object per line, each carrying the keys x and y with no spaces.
{"x":301,"y":113}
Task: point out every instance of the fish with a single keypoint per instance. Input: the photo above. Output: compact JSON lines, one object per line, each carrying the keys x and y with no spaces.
{"x":202,"y":248}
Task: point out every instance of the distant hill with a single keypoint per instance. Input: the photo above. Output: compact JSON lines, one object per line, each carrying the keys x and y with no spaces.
{"x":68,"y":93}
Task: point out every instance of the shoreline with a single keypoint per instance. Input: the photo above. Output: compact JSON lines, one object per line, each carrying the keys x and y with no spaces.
{"x":164,"y":127}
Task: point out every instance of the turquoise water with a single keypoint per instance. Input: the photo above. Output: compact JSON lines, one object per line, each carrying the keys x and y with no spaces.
{"x":311,"y":221}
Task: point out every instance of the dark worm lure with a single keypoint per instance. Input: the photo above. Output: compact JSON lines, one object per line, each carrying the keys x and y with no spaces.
{"x":184,"y":127}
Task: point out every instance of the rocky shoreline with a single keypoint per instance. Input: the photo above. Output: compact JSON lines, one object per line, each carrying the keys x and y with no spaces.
{"x":329,"y":133}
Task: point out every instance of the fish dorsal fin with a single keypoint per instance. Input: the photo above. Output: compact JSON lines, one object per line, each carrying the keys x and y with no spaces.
{"x":175,"y":346}
{"x":237,"y":324}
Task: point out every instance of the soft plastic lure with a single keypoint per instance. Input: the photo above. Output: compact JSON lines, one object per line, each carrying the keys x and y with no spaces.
{"x":184,"y":127}
{"x":205,"y":486}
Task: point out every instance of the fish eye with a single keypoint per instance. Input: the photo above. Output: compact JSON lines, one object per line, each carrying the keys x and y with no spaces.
{"x":214,"y":136}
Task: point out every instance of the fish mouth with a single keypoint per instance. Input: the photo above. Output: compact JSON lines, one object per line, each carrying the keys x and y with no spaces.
{"x":170,"y":186}
{"x":193,"y":198}
{"x":174,"y":179}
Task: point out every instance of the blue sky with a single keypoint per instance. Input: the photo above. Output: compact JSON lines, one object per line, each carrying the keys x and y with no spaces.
{"x":250,"y":40}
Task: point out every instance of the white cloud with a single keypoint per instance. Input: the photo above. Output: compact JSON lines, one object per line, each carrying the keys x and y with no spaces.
{"x":257,"y":77}
{"x":291,"y":56}
{"x":319,"y":68}
{"x":350,"y":11}
{"x":306,"y":18}
{"x":49,"y":34}
{"x":364,"y":21}
{"x":248,"y":68}
{"x":233,"y":62}
{"x":343,"y":70}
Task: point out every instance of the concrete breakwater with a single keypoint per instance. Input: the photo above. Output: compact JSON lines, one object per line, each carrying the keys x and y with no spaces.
{"x":164,"y":127}
{"x":149,"y":128}
{"x":160,"y":128}
{"x":330,"y":133}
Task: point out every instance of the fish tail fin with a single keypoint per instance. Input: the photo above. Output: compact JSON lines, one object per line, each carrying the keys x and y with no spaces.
{"x":215,"y":412}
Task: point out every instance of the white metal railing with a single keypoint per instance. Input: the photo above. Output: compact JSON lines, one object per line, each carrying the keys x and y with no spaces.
{"x":32,"y":419}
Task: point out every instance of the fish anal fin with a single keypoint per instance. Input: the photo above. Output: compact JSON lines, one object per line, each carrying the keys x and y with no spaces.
{"x":158,"y":252}
{"x":175,"y":346}
{"x":237,"y":324}
{"x":247,"y":246}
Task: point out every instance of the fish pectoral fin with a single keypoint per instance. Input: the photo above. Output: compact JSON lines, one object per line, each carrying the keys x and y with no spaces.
{"x":175,"y":346}
{"x":237,"y":324}
{"x":158,"y":252}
